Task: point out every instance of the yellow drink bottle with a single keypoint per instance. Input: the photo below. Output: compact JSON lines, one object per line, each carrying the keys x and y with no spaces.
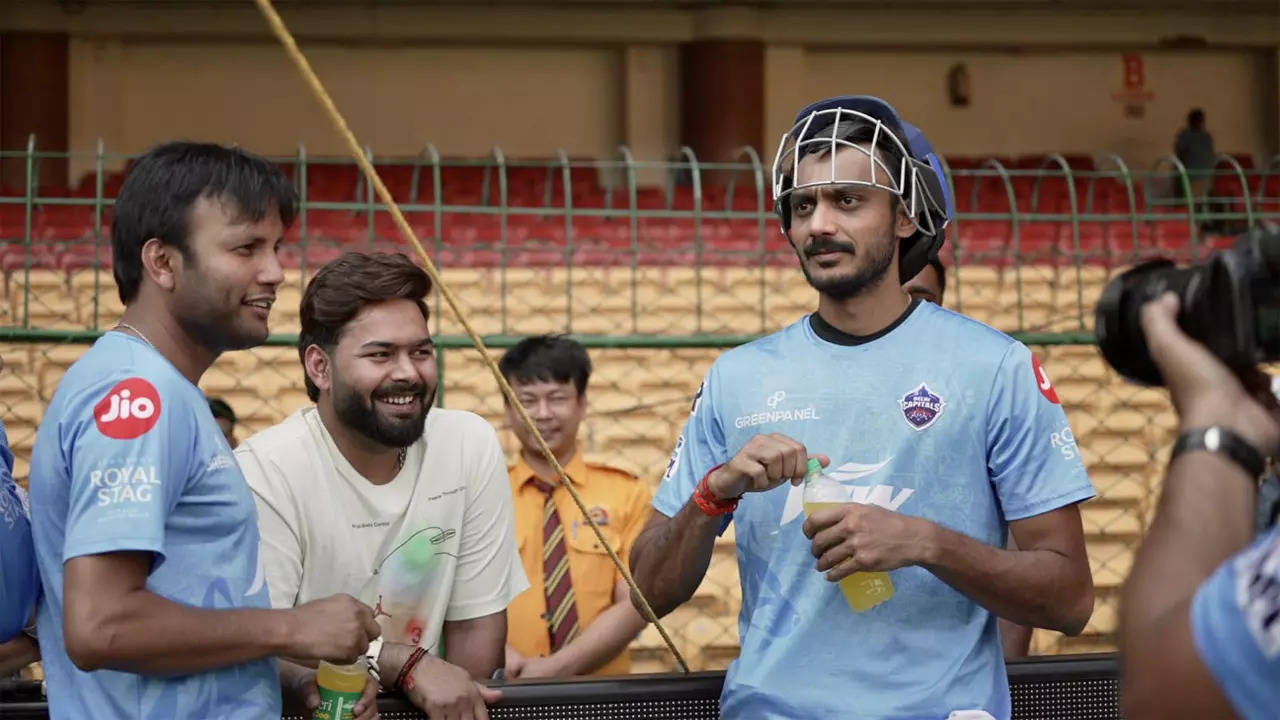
{"x":340,"y":689}
{"x":862,"y":590}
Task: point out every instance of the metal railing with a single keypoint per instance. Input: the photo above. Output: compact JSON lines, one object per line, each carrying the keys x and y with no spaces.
{"x":657,"y":280}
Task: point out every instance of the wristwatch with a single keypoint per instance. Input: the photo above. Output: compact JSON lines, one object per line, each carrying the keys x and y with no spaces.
{"x":1218,"y":439}
{"x":371,"y":658}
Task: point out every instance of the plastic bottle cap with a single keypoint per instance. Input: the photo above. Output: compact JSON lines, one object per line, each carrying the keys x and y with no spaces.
{"x":814,"y":466}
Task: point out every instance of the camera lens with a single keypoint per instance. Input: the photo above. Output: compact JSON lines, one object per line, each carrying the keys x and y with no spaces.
{"x":1118,"y":322}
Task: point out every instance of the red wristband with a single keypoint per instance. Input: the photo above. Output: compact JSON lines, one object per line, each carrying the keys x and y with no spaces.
{"x":408,"y":666}
{"x":707,"y":501}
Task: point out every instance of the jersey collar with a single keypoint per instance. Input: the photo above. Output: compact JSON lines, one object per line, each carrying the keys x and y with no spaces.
{"x":836,"y":336}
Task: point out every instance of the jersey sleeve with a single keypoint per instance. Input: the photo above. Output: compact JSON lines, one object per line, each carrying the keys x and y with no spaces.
{"x":1235,"y":625}
{"x":490,"y":573}
{"x":1032,"y":456}
{"x":19,"y":578}
{"x":700,"y":447}
{"x":278,"y":525}
{"x":129,"y":447}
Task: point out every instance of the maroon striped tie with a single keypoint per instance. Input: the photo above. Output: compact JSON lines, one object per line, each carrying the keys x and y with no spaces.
{"x":562,"y":608}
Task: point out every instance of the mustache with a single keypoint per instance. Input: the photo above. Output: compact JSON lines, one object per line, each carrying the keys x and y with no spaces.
{"x":826,"y":244}
{"x":401,"y":389}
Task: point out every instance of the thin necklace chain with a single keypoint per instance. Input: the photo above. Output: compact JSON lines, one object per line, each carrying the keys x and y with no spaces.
{"x":136,"y":331}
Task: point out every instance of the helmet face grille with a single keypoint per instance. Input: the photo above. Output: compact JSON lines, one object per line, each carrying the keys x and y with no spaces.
{"x":912,"y":180}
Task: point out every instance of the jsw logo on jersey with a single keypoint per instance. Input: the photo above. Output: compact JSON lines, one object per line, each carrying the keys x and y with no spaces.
{"x":885,"y":496}
{"x":129,"y":410}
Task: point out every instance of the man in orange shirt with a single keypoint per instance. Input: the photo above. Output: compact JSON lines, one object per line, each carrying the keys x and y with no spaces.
{"x":576,"y":618}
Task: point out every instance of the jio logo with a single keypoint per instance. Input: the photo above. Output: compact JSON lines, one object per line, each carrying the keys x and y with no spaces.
{"x":129,"y":410}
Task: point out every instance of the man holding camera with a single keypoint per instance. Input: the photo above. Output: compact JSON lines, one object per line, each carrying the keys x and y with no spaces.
{"x":1200,"y":617}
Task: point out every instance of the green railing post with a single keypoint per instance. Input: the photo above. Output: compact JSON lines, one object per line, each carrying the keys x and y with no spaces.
{"x":1244,"y":185}
{"x":696,"y":173}
{"x":633,"y":221}
{"x":1132,"y":195}
{"x":1075,"y":231}
{"x":440,"y":351}
{"x":369,"y":199}
{"x":498,"y":157}
{"x":1272,"y":164}
{"x":1185,"y":182}
{"x":26,"y":235}
{"x":566,"y":174}
{"x":99,"y":162}
{"x":757,"y":170}
{"x":1015,"y":230}
{"x":300,"y":179}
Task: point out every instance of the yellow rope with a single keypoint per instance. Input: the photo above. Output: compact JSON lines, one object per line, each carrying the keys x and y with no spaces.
{"x":304,"y":67}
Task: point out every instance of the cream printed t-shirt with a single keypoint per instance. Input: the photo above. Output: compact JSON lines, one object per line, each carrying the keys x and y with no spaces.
{"x":436,"y":543}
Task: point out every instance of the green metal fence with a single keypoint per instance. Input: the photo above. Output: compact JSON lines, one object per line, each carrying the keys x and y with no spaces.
{"x":657,"y":266}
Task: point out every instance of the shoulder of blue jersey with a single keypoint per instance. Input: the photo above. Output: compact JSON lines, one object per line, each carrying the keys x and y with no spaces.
{"x":972,"y":331}
{"x":125,"y":390}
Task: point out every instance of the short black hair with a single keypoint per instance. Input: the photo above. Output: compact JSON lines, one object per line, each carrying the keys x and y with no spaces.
{"x":547,"y":358}
{"x":938,"y":267}
{"x":221,"y":409}
{"x":1195,"y":118}
{"x":161,"y":187}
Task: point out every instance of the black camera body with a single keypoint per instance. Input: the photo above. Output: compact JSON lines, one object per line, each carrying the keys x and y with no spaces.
{"x":1230,"y":303}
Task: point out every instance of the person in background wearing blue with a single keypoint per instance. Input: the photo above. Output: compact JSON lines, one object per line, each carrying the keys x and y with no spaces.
{"x":1200,"y":613}
{"x":942,"y":433}
{"x":155,"y":603}
{"x":19,"y":579}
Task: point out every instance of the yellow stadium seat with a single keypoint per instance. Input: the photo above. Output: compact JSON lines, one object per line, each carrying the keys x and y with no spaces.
{"x":1110,"y":521}
{"x":1110,"y":561}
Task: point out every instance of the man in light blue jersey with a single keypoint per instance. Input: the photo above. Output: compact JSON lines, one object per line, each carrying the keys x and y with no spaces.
{"x":1200,"y":615}
{"x":943,"y":432}
{"x":19,"y":580}
{"x":146,"y":535}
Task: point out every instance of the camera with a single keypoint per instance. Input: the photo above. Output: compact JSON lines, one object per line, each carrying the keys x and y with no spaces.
{"x":1230,"y":303}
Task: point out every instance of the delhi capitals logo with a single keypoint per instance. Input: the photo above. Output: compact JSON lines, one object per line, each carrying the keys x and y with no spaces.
{"x":922,"y":408}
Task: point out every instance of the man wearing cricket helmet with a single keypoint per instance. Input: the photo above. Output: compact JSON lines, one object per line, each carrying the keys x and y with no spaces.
{"x":938,"y":434}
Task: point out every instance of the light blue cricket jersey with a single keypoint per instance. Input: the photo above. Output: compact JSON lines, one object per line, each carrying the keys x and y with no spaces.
{"x":1235,"y":622}
{"x":938,"y":417}
{"x":19,"y":581}
{"x":129,"y":457}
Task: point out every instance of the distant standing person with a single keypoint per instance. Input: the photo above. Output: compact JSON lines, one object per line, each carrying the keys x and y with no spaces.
{"x":1194,"y":149}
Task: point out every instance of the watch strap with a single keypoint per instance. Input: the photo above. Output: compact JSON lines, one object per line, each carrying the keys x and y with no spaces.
{"x":1218,"y":439}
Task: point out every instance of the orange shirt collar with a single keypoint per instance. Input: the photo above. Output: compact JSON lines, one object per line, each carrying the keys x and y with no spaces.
{"x":576,"y":470}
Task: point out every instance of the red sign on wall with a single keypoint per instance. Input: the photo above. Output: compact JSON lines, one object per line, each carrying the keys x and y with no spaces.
{"x":1134,"y":94}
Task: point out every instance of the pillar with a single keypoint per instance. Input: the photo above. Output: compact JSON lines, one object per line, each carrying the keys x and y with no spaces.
{"x":33,"y":99}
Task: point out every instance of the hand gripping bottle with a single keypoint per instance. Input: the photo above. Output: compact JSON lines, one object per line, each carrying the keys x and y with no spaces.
{"x":340,"y":689}
{"x":863,"y":590}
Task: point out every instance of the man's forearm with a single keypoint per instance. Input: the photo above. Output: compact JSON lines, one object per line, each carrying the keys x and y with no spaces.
{"x":17,"y":653}
{"x":152,"y":635}
{"x":1015,"y":638}
{"x":1205,"y":515}
{"x":293,"y":677}
{"x":601,"y":641}
{"x":671,"y":556}
{"x":391,"y":660}
{"x":1037,"y":588}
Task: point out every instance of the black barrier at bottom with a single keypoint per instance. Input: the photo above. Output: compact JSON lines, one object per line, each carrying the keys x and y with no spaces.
{"x":1061,"y":687}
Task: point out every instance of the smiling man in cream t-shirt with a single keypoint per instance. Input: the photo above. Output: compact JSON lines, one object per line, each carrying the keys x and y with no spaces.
{"x":374,"y":493}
